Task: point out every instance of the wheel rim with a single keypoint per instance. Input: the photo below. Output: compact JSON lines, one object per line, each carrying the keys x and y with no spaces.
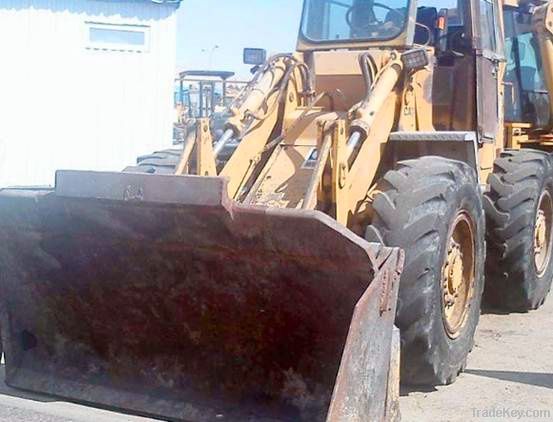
{"x":542,"y":234}
{"x":458,"y":274}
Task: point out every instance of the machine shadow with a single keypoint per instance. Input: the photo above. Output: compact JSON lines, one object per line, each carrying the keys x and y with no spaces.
{"x":530,"y":378}
{"x":405,"y":390}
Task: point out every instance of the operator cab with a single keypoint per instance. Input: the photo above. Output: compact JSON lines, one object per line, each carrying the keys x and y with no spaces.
{"x":440,"y":26}
{"x":463,"y":37}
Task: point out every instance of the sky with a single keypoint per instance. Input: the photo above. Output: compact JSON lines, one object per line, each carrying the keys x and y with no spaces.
{"x":232,"y":25}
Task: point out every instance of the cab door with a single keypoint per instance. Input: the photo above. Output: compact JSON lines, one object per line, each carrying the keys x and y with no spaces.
{"x":488,"y":46}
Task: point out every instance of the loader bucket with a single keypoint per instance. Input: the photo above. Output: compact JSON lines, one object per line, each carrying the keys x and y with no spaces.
{"x":160,"y":296}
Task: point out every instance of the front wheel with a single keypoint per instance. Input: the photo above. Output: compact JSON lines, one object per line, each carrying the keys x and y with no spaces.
{"x":431,"y":207}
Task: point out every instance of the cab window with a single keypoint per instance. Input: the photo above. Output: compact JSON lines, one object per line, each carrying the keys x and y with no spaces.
{"x":526,"y":96}
{"x":354,"y":20}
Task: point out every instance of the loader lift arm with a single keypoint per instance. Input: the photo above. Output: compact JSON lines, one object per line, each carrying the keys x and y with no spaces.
{"x":275,"y":112}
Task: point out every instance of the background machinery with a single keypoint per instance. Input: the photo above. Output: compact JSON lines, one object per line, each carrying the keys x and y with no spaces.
{"x":203,"y":93}
{"x":200,"y":94}
{"x":258,"y":280}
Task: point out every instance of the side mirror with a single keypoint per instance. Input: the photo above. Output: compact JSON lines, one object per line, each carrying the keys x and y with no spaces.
{"x":255,"y":56}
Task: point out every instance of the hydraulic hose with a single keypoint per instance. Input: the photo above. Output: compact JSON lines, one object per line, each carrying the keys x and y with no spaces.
{"x":368,"y":74}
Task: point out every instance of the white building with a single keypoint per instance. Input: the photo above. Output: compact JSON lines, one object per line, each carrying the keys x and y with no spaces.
{"x":84,"y":84}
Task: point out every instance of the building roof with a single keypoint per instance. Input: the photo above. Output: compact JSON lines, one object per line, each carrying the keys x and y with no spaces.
{"x":177,"y":2}
{"x":173,"y":2}
{"x":78,"y":6}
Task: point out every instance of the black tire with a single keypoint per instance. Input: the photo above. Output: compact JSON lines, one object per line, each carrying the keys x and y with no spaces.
{"x":519,"y":181}
{"x":160,"y":162}
{"x":415,"y":208}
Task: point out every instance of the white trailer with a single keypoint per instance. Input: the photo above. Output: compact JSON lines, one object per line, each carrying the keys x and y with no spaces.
{"x":84,"y":84}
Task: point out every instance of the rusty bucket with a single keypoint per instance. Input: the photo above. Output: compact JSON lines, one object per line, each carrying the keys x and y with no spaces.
{"x":160,"y":296}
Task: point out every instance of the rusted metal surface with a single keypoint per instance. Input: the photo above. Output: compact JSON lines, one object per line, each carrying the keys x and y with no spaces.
{"x":361,"y":391}
{"x":393,"y":413}
{"x":158,"y":295}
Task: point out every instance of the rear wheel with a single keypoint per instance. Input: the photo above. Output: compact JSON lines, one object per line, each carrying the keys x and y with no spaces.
{"x":432,"y":208}
{"x":160,"y":162}
{"x":519,"y":209}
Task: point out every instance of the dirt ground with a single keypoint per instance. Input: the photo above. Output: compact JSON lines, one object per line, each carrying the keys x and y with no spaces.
{"x":509,"y":375}
{"x":509,"y":378}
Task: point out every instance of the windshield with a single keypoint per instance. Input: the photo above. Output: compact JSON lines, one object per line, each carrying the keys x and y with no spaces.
{"x":351,"y":20}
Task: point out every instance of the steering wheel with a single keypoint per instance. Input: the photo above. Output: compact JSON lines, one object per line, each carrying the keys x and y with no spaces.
{"x":368,"y":25}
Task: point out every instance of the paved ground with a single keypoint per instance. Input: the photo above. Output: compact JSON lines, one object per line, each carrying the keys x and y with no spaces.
{"x":509,"y":375}
{"x":509,"y":378}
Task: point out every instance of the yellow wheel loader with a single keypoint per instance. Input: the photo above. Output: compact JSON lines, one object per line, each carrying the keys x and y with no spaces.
{"x":259,"y":281}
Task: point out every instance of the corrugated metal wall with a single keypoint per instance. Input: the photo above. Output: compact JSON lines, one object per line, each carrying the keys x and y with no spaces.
{"x":65,"y":106}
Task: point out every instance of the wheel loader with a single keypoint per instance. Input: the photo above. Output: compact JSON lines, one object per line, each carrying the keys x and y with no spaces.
{"x":203,"y":93}
{"x":378,"y":175}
